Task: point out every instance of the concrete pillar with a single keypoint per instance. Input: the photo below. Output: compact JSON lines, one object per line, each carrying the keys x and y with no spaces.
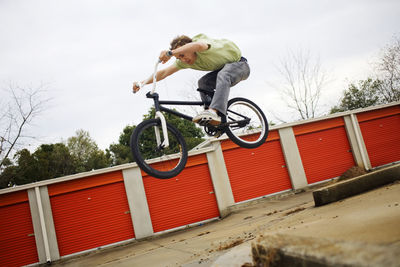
{"x":356,"y":141}
{"x":137,"y":201}
{"x":43,"y":224}
{"x":220,"y":179}
{"x":292,"y":158}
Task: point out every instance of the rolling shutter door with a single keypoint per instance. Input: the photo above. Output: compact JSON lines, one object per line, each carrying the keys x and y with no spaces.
{"x":185,"y":199}
{"x":324,"y":149}
{"x":17,"y":239}
{"x":90,"y":212}
{"x":381,"y":135}
{"x":256,"y":172}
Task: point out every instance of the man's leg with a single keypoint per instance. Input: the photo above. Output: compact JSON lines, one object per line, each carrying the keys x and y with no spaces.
{"x":228,"y":76}
{"x":223,"y":79}
{"x":208,"y":83}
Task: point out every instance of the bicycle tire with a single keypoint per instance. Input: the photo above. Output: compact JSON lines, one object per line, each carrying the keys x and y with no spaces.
{"x":162,"y":163}
{"x":255,"y":132}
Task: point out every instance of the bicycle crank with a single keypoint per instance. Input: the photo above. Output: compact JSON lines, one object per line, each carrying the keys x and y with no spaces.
{"x":213,"y":131}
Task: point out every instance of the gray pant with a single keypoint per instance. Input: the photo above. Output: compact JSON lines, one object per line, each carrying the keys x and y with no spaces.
{"x":222,"y":80}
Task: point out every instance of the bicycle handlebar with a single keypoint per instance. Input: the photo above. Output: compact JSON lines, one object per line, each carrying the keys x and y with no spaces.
{"x":142,"y":84}
{"x":155,"y":76}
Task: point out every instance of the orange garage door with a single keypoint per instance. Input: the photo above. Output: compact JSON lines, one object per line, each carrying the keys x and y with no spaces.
{"x":381,"y":134}
{"x":90,"y":212}
{"x":256,"y":172}
{"x":324,"y":149}
{"x":17,"y":239}
{"x":185,"y":199}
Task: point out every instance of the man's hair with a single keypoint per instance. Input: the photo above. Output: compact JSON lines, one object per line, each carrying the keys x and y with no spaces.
{"x":180,"y":41}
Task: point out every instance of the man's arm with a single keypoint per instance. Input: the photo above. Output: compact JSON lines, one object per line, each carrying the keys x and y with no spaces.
{"x":187,"y":48}
{"x":190,"y":48}
{"x":161,"y":74}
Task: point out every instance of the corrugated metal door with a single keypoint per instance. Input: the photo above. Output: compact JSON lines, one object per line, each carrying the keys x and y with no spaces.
{"x":381,"y":136}
{"x":256,"y":172}
{"x":324,"y":149}
{"x":185,"y":199}
{"x":17,"y":239}
{"x":90,"y":212}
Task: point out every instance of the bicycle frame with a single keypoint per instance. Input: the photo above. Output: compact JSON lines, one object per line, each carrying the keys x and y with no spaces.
{"x":158,"y":108}
{"x":158,"y":105}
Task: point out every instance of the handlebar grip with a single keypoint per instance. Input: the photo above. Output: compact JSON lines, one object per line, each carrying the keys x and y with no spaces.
{"x":138,"y":84}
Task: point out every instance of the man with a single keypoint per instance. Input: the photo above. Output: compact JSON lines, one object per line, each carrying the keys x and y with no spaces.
{"x":220,"y":56}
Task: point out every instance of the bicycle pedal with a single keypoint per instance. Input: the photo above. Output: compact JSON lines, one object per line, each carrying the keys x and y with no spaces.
{"x":204,"y":122}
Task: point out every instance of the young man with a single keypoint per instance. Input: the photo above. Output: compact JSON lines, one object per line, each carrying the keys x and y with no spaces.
{"x":219,"y":56}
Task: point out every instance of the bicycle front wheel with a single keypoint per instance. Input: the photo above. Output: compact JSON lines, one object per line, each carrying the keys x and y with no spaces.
{"x":247,"y":125}
{"x":156,"y":159}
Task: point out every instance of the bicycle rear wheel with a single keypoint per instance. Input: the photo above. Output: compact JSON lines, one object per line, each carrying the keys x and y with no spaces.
{"x":156,"y":160}
{"x":247,"y":124}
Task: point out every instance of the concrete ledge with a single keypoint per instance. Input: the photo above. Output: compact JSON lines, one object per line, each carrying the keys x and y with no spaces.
{"x":286,"y":250}
{"x":356,"y":185}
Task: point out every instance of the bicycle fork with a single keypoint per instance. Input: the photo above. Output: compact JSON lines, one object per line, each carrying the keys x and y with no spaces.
{"x":165,"y":142}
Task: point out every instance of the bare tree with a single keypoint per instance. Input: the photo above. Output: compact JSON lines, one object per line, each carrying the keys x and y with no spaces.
{"x":388,"y":68}
{"x":19,"y":107}
{"x":303,"y":82}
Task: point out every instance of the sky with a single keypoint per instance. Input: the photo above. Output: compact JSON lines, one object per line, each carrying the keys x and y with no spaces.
{"x":86,"y":54}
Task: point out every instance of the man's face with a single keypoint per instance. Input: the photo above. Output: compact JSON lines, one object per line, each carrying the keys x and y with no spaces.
{"x":188,"y":58}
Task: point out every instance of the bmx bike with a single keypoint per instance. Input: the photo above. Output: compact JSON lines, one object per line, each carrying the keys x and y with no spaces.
{"x":159,"y":148}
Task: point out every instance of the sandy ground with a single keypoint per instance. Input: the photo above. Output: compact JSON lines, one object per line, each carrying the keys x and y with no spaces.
{"x":370,"y":218}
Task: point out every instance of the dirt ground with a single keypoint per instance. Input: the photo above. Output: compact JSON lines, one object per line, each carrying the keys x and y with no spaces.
{"x":369,"y":218}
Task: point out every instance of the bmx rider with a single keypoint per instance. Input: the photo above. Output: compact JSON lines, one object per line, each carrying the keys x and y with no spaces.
{"x":221,"y":57}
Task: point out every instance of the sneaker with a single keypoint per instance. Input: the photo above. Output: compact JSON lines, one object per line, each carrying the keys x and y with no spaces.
{"x":207,"y":117}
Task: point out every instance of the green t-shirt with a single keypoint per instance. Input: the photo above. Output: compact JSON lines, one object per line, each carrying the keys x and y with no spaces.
{"x":219,"y":53}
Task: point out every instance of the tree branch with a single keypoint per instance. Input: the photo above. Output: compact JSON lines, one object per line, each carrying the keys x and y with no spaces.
{"x":303,"y":83}
{"x":23,"y":106}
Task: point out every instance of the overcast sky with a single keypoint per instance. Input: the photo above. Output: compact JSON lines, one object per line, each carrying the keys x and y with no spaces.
{"x":88,"y":53}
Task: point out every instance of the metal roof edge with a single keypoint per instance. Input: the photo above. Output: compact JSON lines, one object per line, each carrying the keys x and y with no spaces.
{"x":325,"y":117}
{"x":89,"y":173}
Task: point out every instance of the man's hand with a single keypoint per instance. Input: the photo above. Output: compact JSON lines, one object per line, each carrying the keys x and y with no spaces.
{"x":136,"y":87}
{"x":164,"y":57}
